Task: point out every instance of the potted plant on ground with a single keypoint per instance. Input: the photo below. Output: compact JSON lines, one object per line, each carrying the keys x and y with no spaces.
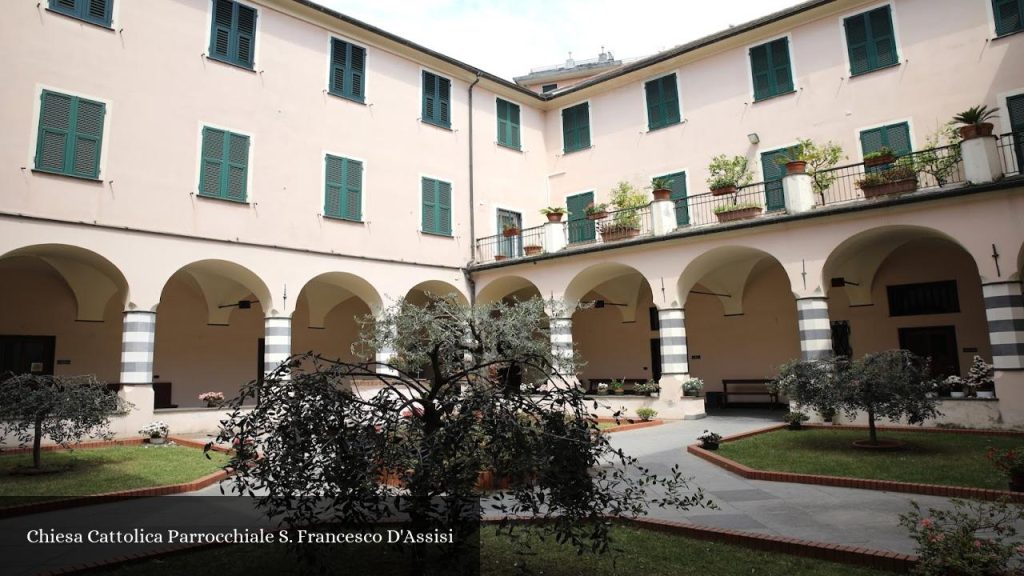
{"x":737,"y":211}
{"x":883,"y":155}
{"x":955,"y":385}
{"x":975,"y":123}
{"x":554,"y":213}
{"x":979,"y":378}
{"x":602,"y":389}
{"x":660,"y":188}
{"x":796,"y":420}
{"x":692,"y":387}
{"x":596,"y":211}
{"x":532,"y":249}
{"x":212,"y":399}
{"x":1011,"y":462}
{"x":155,"y":432}
{"x":896,"y":180}
{"x":618,"y":387}
{"x":650,"y":388}
{"x":510,"y":230}
{"x":727,"y":174}
{"x":625,"y":222}
{"x":709,"y":440}
{"x":646,"y":414}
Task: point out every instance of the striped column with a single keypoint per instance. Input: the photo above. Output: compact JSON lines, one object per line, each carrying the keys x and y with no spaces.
{"x":138,"y":336}
{"x":673,"y":341}
{"x":1004,"y":308}
{"x":561,"y":344}
{"x":815,"y":330}
{"x":277,"y":343}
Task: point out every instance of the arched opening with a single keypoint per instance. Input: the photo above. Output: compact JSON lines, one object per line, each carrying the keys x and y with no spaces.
{"x":209,"y":332}
{"x":327,"y":313}
{"x":61,"y":312}
{"x":907,"y":287}
{"x":741,"y":322}
{"x":508,"y":287}
{"x":422,"y":293}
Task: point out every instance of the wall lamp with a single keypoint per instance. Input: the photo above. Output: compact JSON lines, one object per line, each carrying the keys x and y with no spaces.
{"x":242,"y":304}
{"x":754,"y":138}
{"x":839,"y":282}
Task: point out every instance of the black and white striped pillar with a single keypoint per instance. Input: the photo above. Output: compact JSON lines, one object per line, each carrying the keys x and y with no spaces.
{"x":815,"y":330}
{"x":138,"y":337}
{"x":672,"y":331}
{"x":561,"y":343}
{"x":277,"y":342}
{"x":1004,"y":309}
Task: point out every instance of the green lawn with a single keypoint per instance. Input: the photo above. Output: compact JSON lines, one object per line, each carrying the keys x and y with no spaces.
{"x":98,"y":470}
{"x":932,"y":458}
{"x":646,"y":553}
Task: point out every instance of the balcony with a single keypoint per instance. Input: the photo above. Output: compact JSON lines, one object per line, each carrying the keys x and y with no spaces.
{"x":927,"y":172}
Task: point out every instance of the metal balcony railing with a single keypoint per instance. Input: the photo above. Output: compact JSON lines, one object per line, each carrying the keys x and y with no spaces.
{"x":1011,"y":153}
{"x":933,"y":167}
{"x":527,"y":242}
{"x":617,"y":225}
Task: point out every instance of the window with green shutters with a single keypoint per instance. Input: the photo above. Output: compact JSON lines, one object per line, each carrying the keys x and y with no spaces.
{"x":1009,"y":16}
{"x":871,"y":41}
{"x":70,"y":136}
{"x":895,"y":137}
{"x":662,"y":102}
{"x":436,"y":100}
{"x":508,"y":124}
{"x":348,"y":70}
{"x":224,"y":168}
{"x":678,"y":197}
{"x":576,"y":127}
{"x":581,"y":229}
{"x":343,"y":190}
{"x":94,"y":11}
{"x":233,"y":37}
{"x":437,"y":207}
{"x":771,"y":70}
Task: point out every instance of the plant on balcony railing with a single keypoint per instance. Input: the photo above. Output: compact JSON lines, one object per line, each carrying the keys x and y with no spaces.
{"x":975,"y":123}
{"x":625,"y":221}
{"x":660,"y":188}
{"x":554,"y":213}
{"x":728,"y":174}
{"x":740,"y":211}
{"x":900,"y":178}
{"x":596,"y":211}
{"x":941,"y":155}
{"x":818,"y":161}
{"x":880,"y":157}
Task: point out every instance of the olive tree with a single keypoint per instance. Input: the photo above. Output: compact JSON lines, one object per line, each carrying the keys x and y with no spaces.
{"x":893,"y":384}
{"x":62,"y":408}
{"x":335,"y":430}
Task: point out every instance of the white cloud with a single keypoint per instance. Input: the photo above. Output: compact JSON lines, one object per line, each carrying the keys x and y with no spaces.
{"x":509,"y":37}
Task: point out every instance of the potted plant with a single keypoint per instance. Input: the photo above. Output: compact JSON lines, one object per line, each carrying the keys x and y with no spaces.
{"x":625,"y":222}
{"x":883,"y":155}
{"x":1009,"y":461}
{"x":212,"y":399}
{"x":975,"y":123}
{"x":596,"y":211}
{"x":728,"y":174}
{"x":796,"y":420}
{"x":602,"y":389}
{"x":650,"y":388}
{"x":955,"y":385}
{"x":896,"y":180}
{"x":646,"y":414}
{"x":554,"y":213}
{"x":660,"y":188}
{"x":500,"y":257}
{"x":618,"y":387}
{"x":941,"y":155}
{"x":533,"y":249}
{"x":793,"y":159}
{"x":742,"y":211}
{"x":709,"y":440}
{"x":155,"y":432}
{"x":692,"y":387}
{"x":979,"y":378}
{"x":510,"y":230}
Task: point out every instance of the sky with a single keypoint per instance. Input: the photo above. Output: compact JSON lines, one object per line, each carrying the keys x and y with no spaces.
{"x":509,"y":37}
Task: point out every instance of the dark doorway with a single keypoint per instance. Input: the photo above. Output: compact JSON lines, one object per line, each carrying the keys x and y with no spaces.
{"x":656,"y":358}
{"x":841,"y":338}
{"x":27,"y":354}
{"x":935,"y":342}
{"x":261,"y":366}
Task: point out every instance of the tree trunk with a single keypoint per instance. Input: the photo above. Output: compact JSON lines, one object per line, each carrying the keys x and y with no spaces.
{"x":37,"y":441}
{"x":871,"y":427}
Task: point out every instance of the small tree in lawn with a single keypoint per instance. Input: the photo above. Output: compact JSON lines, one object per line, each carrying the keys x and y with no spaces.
{"x":63,"y":408}
{"x":319,"y":435}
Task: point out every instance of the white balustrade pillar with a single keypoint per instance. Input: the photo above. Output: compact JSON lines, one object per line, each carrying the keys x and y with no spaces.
{"x":981,"y":160}
{"x":798,"y":192}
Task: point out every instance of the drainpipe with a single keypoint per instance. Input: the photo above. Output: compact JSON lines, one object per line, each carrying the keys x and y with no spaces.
{"x":472,"y":203}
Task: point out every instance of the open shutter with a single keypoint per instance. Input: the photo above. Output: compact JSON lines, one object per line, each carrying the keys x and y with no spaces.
{"x":88,"y":138}
{"x":246,"y":35}
{"x":353,"y":208}
{"x":238,"y":166}
{"x":782,"y":72}
{"x":761,"y":72}
{"x":220,"y":36}
{"x":333,"y":187}
{"x":429,"y":205}
{"x":1009,"y":16}
{"x":53,"y":144}
{"x":444,"y":208}
{"x":212,"y":169}
{"x":883,"y":41}
{"x":857,"y":43}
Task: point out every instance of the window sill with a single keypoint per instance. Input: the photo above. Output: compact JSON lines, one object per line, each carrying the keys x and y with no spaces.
{"x":347,"y":97}
{"x":342,"y":219}
{"x":437,"y":234}
{"x":574,"y":150}
{"x":779,"y":95}
{"x":66,"y":175}
{"x":509,"y":147}
{"x":220,"y":199}
{"x":232,"y":64}
{"x":1008,"y":34}
{"x":436,"y":124}
{"x":102,"y":25}
{"x":866,"y":72}
{"x":662,"y":127}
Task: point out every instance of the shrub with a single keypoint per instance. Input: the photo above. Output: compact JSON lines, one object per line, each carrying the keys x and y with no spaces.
{"x":627,"y":200}
{"x":727,"y":172}
{"x":646,"y":414}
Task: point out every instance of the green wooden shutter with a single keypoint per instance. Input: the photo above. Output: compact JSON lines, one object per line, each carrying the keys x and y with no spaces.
{"x":896,"y":137}
{"x":212,"y":169}
{"x":782,"y":72}
{"x":514,"y":126}
{"x":220,"y":36}
{"x":773,"y":171}
{"x":580,"y":228}
{"x":95,"y":11}
{"x":444,"y":101}
{"x":436,"y":100}
{"x":356,"y":72}
{"x":88,"y":138}
{"x":428,"y":189}
{"x":508,"y":124}
{"x":1009,"y":16}
{"x":348,"y":69}
{"x":53,"y":140}
{"x":444,"y":208}
{"x":503,"y":137}
{"x":871,"y":41}
{"x":353,"y":182}
{"x":576,"y":127}
{"x":653,"y":93}
{"x":333,"y":187}
{"x":678,"y":196}
{"x":857,"y":43}
{"x":1015,"y":108}
{"x":569,"y":130}
{"x":233,"y":33}
{"x":245,"y":35}
{"x":70,"y":136}
{"x":883,"y":40}
{"x":429,"y":95}
{"x":761,"y":72}
{"x":662,"y":102}
{"x":237,"y":166}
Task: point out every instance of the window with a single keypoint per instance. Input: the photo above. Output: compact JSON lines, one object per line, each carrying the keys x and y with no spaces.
{"x":343,"y":189}
{"x":576,"y":127}
{"x":678,"y":196}
{"x":549,"y":87}
{"x":924,"y":298}
{"x":769,"y":66}
{"x":1009,"y":16}
{"x":70,"y":135}
{"x":581,"y":229}
{"x":95,"y":11}
{"x":224,"y":167}
{"x":895,"y":137}
{"x":662,"y":102}
{"x":348,"y":70}
{"x":436,"y":100}
{"x":437,"y":207}
{"x":508,"y":124}
{"x":871,"y":41}
{"x":233,"y":37}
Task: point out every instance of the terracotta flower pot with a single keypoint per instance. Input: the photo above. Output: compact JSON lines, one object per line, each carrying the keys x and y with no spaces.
{"x":889,"y":188}
{"x":613,"y":232}
{"x":723,"y":191}
{"x":741,"y":214}
{"x":796,"y":167}
{"x":510,"y":232}
{"x":597,"y":215}
{"x":976,"y":130}
{"x":662,"y":194}
{"x":500,"y":257}
{"x":555,"y":217}
{"x":532,"y":250}
{"x":880,"y":160}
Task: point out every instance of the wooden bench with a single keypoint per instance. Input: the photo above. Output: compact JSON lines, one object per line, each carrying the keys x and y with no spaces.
{"x":748,"y":387}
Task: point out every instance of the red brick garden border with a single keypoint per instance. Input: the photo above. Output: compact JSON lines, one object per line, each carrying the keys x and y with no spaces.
{"x":627,"y":426}
{"x":861,"y":483}
{"x":106,"y":497}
